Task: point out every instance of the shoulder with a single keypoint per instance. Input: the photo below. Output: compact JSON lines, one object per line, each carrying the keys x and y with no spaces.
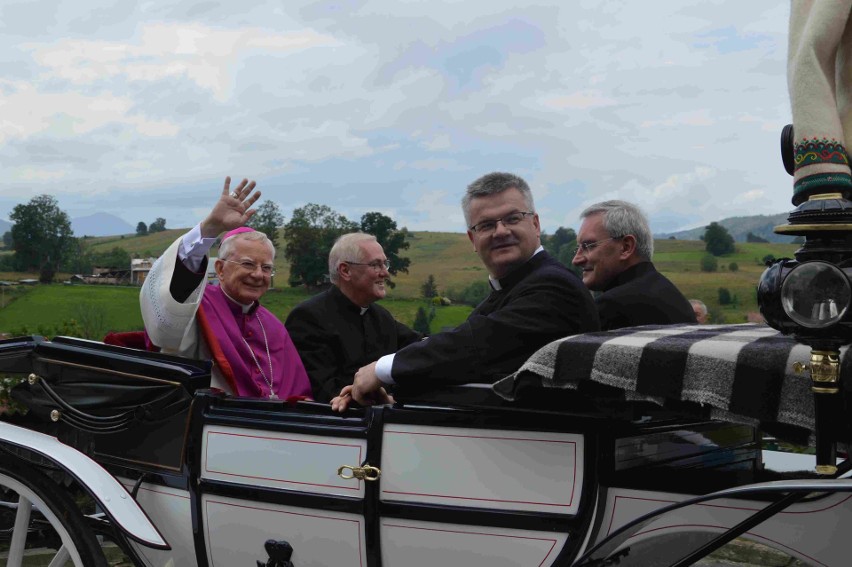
{"x":549,"y":270}
{"x":310,"y":309}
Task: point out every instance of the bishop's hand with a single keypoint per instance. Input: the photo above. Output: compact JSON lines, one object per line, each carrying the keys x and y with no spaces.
{"x":232,"y":210}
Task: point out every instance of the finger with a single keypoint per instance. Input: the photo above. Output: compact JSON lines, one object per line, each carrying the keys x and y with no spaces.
{"x":227,"y":188}
{"x":252,"y":200}
{"x":340,"y":404}
{"x":241,"y":188}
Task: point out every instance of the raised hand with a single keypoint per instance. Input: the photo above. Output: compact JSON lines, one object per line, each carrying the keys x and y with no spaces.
{"x":232,"y":210}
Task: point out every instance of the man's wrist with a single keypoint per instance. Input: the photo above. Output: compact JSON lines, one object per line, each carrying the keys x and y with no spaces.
{"x":209,"y":230}
{"x":383,"y":370}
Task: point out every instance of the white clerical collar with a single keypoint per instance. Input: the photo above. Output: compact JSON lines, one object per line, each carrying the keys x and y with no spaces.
{"x":364,"y":310}
{"x":244,"y":307}
{"x":495,"y":283}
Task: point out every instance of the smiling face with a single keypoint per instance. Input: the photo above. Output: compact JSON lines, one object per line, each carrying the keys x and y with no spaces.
{"x":364,"y":284}
{"x":240,"y":284}
{"x":507,"y":247}
{"x":605,"y":261}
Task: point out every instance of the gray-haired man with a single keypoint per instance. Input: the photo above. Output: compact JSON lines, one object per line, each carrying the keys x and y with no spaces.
{"x":341,"y":329}
{"x":614,"y":251}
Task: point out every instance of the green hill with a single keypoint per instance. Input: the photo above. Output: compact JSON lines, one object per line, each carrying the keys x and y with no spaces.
{"x":739,"y":227}
{"x":449,"y":257}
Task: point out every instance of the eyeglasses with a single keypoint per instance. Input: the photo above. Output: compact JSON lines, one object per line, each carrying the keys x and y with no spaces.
{"x":586,"y":247}
{"x":377,"y":265}
{"x":489,"y":226}
{"x":267,"y":269}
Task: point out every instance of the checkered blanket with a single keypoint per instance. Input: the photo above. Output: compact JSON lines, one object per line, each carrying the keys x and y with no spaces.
{"x":743,"y":373}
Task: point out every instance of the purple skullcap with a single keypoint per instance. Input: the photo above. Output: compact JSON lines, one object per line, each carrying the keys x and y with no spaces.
{"x":236,"y":231}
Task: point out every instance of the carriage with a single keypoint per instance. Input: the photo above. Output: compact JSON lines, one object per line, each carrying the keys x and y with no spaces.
{"x":594,"y":453}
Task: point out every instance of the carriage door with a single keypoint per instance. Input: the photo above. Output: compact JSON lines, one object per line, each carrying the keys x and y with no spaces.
{"x":468,"y":490}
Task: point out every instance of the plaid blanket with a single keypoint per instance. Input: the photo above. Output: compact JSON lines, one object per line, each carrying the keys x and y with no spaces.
{"x":743,"y":373}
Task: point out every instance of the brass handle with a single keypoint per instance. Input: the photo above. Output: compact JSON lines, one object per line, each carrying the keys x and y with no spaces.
{"x":824,"y":368}
{"x":361,"y":473}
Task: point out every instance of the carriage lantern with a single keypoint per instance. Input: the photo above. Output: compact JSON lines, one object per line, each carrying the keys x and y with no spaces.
{"x":810,"y":298}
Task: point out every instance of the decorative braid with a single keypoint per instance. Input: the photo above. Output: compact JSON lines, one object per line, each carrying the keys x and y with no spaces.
{"x":816,"y":151}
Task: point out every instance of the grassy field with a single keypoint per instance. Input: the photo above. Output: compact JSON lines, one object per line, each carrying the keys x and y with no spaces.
{"x":680,"y":261}
{"x":92,"y":311}
{"x":449,"y":257}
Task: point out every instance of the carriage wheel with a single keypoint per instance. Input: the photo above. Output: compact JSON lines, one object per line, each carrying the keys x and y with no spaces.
{"x":37,"y":502}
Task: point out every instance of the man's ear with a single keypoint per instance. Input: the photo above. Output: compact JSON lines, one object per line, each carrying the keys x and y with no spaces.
{"x":344,"y":272}
{"x":218,"y":265}
{"x":628,"y":246}
{"x":472,"y":241}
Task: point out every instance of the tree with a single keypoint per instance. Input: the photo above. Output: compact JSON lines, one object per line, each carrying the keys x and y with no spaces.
{"x":421,"y":321}
{"x":391,"y":239}
{"x":751,"y":237}
{"x":724,"y":296}
{"x":78,"y":260}
{"x":475,"y":293}
{"x":562,"y":245}
{"x":141,"y":229}
{"x":158,"y":225}
{"x":709,"y":263}
{"x":560,"y":238}
{"x":8,"y":241}
{"x":429,"y":289}
{"x":310,"y":235}
{"x":42,"y":236}
{"x":717,"y":240}
{"x":267,"y":219}
{"x":116,"y":258}
{"x":733,"y":266}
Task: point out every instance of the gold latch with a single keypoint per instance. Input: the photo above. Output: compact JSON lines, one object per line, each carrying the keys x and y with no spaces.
{"x":825,"y":371}
{"x":361,"y":473}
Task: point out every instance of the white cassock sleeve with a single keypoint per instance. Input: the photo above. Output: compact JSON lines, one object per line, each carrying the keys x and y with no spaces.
{"x":170,"y":325}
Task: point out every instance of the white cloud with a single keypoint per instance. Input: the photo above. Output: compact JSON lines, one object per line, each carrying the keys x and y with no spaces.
{"x":579,"y":100}
{"x":676,"y":105}
{"x":25,"y":112}
{"x":203,"y":54}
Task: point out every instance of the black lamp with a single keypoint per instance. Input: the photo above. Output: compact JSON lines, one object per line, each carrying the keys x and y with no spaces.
{"x":810,"y":298}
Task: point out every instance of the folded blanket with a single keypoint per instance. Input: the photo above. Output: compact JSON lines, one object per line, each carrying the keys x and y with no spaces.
{"x":742,"y":372}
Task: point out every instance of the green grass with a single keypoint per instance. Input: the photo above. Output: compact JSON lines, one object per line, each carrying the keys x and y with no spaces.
{"x":679,"y":260}
{"x":44,"y":309}
{"x":447,"y":256}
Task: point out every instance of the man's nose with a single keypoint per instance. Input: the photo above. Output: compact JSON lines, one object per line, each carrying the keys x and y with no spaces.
{"x":501,"y":229}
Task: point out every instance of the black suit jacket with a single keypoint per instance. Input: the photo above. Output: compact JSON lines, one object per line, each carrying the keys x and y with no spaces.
{"x":539,"y":302}
{"x":640,"y":295}
{"x":334,"y":340}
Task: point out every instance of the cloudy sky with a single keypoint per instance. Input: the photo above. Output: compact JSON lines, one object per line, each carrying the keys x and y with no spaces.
{"x":140,"y":109}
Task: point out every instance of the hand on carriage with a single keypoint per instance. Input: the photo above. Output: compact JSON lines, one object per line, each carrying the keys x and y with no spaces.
{"x":232,"y":210}
{"x":366,"y":390}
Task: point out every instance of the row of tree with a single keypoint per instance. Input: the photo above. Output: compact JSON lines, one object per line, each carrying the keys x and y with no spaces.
{"x":312,"y":230}
{"x":159,"y":225}
{"x":43,"y":240}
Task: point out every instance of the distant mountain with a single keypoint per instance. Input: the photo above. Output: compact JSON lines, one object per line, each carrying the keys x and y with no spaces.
{"x":100,"y":224}
{"x":739,"y":227}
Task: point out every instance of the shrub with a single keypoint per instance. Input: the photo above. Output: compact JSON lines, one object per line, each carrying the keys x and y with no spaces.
{"x":724,"y":296}
{"x":733,"y":267}
{"x":709,"y":263}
